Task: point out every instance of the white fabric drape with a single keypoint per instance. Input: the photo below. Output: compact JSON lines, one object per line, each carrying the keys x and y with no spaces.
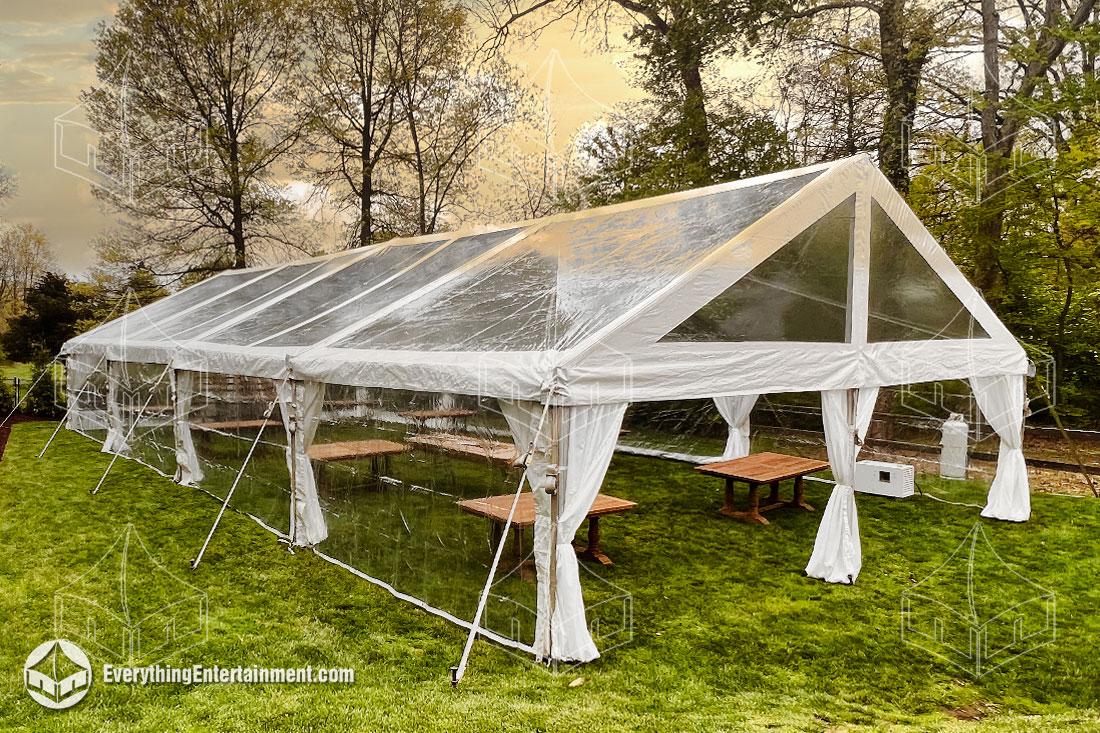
{"x":585,"y":446}
{"x":736,"y":410}
{"x":1002,"y":401}
{"x":188,"y":470}
{"x":300,"y":404}
{"x":115,"y":442}
{"x":79,"y":368}
{"x":837,"y":555}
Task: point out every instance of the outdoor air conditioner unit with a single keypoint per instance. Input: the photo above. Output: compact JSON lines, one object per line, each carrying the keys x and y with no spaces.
{"x":884,"y":479}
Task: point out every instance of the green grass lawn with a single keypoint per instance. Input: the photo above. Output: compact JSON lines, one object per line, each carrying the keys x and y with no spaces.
{"x":728,"y":633}
{"x":15,"y":369}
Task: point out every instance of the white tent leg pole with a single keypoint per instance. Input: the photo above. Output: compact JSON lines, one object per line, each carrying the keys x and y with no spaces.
{"x":555,"y":504}
{"x":30,"y":389}
{"x":457,"y":673}
{"x":130,"y":432}
{"x":236,"y":481}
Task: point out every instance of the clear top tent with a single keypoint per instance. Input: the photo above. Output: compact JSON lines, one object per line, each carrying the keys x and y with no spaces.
{"x":538,"y":335}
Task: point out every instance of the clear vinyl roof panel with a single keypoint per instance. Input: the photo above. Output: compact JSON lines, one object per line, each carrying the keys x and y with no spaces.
{"x":181,"y":326}
{"x":907,"y":299}
{"x":151,"y":315}
{"x":506,"y":305}
{"x":799,"y":293}
{"x":381,"y":262}
{"x":362,"y":302}
{"x":568,"y":279}
{"x":290,"y":286}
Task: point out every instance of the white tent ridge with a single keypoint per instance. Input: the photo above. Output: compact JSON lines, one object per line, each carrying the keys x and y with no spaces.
{"x":815,"y":279}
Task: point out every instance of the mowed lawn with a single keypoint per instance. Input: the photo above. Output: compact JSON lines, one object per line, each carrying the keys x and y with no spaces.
{"x":728,"y":633}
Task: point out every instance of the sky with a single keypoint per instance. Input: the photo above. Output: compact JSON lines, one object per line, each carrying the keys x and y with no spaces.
{"x":46,"y":59}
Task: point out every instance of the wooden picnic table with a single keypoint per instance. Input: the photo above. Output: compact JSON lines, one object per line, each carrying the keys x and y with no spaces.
{"x":496,"y":508}
{"x":377,"y":450}
{"x":227,"y":425}
{"x":421,"y":417}
{"x":494,"y":451}
{"x":763,"y":468}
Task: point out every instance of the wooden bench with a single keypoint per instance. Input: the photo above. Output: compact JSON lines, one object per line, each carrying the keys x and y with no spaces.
{"x":230,"y":425}
{"x":377,"y":450}
{"x":494,"y":451}
{"x":420,"y":418}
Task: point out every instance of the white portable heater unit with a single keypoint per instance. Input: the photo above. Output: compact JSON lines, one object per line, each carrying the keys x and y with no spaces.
{"x":884,"y":479}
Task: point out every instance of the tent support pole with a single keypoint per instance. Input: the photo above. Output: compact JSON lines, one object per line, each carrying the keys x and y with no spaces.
{"x":555,"y":457}
{"x":69,"y":408}
{"x":130,"y":432}
{"x":459,"y":671}
{"x":236,"y":481}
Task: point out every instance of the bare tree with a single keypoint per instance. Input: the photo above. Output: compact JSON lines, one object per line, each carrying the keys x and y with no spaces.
{"x":349,"y":95}
{"x":8,"y":184}
{"x":452,"y":101}
{"x":677,"y":41}
{"x":200,"y":119}
{"x":25,"y":256}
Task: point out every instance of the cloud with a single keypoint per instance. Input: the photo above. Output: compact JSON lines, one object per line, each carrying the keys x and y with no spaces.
{"x":56,"y":11}
{"x":22,"y":85}
{"x":37,"y":66}
{"x":62,"y":60}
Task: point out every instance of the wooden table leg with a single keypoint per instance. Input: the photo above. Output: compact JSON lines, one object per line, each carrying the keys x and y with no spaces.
{"x":773,"y":496}
{"x":798,"y":500}
{"x":593,"y":551}
{"x":729,"y":507}
{"x":517,"y":545}
{"x":753,"y":513}
{"x":524,"y":569}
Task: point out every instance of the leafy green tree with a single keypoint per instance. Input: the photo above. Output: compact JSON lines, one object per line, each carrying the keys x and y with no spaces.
{"x":107,"y":295}
{"x":1049,"y":291}
{"x":48,"y":321}
{"x":639,"y":154}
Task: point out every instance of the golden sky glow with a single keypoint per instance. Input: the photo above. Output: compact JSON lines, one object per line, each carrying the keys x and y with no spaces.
{"x":46,"y":55}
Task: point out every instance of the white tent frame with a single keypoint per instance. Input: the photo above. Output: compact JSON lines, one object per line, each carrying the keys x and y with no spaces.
{"x":624,"y":360}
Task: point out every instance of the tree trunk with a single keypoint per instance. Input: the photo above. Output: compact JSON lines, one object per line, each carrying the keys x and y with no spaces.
{"x":694,"y":115}
{"x":366,"y":190}
{"x":902,"y":66}
{"x":422,"y":194}
{"x":236,"y":195}
{"x":990,"y":226}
